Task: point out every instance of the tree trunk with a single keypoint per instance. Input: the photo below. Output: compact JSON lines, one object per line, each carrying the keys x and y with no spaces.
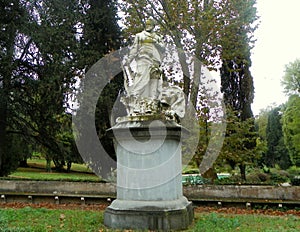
{"x":23,"y":163}
{"x":69,"y":165}
{"x":196,"y":82}
{"x":210,"y":174}
{"x":2,"y":139}
{"x":48,"y":164}
{"x":243,"y":171}
{"x":6,"y":74}
{"x":59,"y":164}
{"x":184,"y":66}
{"x":3,"y":134}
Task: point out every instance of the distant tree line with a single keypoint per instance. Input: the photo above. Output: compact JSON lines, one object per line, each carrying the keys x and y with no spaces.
{"x":279,"y":126}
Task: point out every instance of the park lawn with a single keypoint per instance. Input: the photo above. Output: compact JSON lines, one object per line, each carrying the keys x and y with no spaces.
{"x":41,"y":163}
{"x":33,"y":174}
{"x":41,"y":219}
{"x":217,"y":222}
{"x":37,"y":171}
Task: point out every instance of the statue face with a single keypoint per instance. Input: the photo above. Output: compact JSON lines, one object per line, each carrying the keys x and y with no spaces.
{"x":149,"y":25}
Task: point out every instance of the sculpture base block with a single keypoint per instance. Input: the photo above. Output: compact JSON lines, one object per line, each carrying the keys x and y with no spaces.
{"x":149,"y":180}
{"x":149,"y":217}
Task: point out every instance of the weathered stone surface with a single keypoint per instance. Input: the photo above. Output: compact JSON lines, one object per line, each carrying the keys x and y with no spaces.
{"x":144,"y":127}
{"x":149,"y":179}
{"x":290,"y":193}
{"x":150,"y":217}
{"x":254,"y":192}
{"x":58,"y":187}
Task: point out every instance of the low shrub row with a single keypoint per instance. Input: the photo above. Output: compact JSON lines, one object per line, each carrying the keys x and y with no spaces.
{"x":269,"y":176}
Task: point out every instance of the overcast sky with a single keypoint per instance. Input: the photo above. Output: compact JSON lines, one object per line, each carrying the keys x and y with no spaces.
{"x":278,"y":43}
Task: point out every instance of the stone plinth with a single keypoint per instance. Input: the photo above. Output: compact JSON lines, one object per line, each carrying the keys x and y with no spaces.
{"x":149,"y":182}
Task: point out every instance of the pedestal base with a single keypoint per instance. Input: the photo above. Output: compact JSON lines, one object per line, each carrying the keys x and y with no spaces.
{"x":177,"y":215}
{"x":149,"y":180}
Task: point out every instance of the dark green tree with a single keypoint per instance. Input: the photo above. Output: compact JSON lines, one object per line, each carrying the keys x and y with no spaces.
{"x":236,"y":79}
{"x":261,"y":122}
{"x":291,"y":80}
{"x":291,"y":128}
{"x":12,"y":14}
{"x":101,"y":32}
{"x":238,"y":149}
{"x":49,"y":66}
{"x":277,"y":153}
{"x":101,"y":35}
{"x":38,"y":61}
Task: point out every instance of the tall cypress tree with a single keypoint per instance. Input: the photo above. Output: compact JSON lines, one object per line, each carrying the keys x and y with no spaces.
{"x":237,"y":86}
{"x":101,"y":32}
{"x":101,"y":35}
{"x":236,"y":79}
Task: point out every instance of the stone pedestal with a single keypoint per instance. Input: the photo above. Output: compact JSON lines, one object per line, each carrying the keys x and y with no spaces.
{"x":149,"y":181}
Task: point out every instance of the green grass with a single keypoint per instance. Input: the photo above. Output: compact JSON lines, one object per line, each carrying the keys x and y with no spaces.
{"x":30,"y":174}
{"x":40,"y":220}
{"x":247,"y":223}
{"x":37,"y":171}
{"x":41,"y":163}
{"x":30,"y":220}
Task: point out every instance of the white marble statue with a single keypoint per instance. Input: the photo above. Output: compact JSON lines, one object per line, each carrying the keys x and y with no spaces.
{"x":145,"y":92}
{"x":144,"y":59}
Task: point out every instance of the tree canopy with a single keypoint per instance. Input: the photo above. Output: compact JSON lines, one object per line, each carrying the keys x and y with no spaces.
{"x":277,"y":152}
{"x":45,"y":48}
{"x":291,"y":78}
{"x":291,"y":128}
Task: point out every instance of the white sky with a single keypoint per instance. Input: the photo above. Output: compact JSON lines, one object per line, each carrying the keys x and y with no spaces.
{"x":278,"y":43}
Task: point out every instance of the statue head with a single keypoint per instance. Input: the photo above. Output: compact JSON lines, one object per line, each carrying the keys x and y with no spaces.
{"x":150,"y":24}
